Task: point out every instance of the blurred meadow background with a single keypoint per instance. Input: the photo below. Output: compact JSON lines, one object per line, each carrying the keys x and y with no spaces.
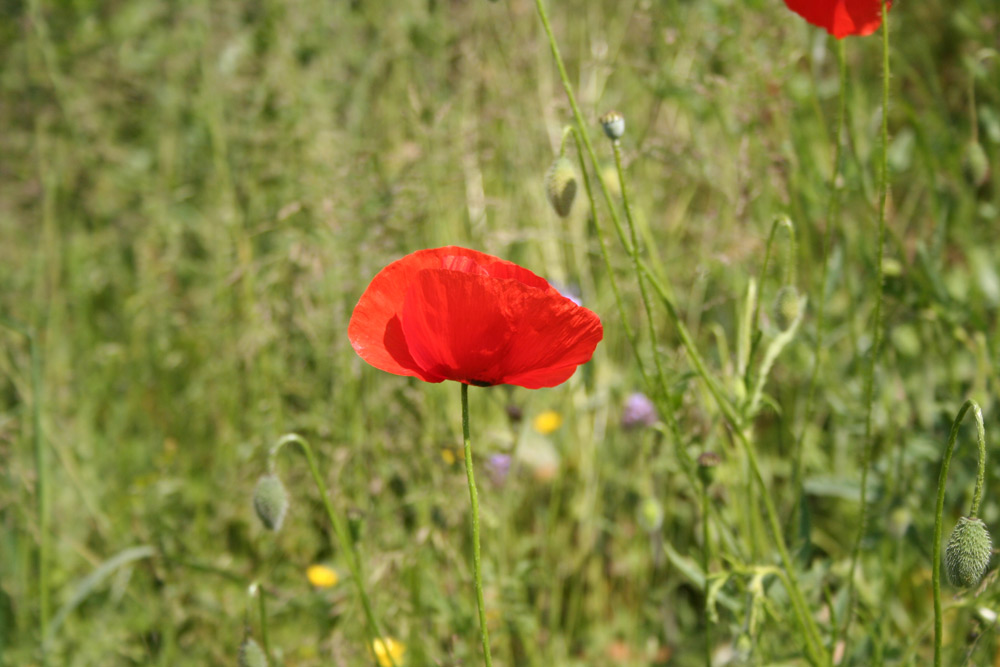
{"x":194,"y":195}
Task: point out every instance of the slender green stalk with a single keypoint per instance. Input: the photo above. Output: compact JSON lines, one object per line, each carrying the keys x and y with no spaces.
{"x":42,"y":508}
{"x":264,"y":637}
{"x":877,"y":325}
{"x":629,"y":333}
{"x":832,"y":208}
{"x":340,"y":531}
{"x":788,"y":274}
{"x":474,"y":498}
{"x":634,"y":254}
{"x":977,"y":497}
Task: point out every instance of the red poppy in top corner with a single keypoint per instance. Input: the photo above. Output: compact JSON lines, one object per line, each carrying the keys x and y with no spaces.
{"x":458,"y":314}
{"x":841,"y":18}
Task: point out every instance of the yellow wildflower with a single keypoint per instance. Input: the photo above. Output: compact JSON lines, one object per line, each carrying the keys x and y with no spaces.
{"x":322,"y":576}
{"x":547,"y":422}
{"x":387,"y":651}
{"x":448,"y":456}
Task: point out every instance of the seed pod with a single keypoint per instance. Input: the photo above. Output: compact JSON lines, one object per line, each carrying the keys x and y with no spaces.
{"x":613,"y":123}
{"x":560,"y":186}
{"x":270,"y":501}
{"x":975,"y":164}
{"x":968,"y":552}
{"x":786,"y":307}
{"x":251,"y":654}
{"x":707,"y":463}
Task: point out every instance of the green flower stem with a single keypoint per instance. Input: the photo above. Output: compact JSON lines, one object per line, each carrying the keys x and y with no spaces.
{"x":629,"y":333}
{"x":474,"y":498}
{"x":42,"y":507}
{"x":634,"y":248}
{"x":340,"y":531}
{"x":977,"y":497}
{"x":877,"y":325}
{"x":832,"y":210}
{"x":814,"y":644}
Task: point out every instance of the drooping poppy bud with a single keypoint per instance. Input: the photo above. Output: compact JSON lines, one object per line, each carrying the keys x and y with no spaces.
{"x":560,"y":186}
{"x":968,"y":552}
{"x":270,"y":501}
{"x":787,"y":307}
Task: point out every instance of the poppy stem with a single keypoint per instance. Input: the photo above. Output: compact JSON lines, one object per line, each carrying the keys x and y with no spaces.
{"x":866,"y":453}
{"x":340,"y":531}
{"x":474,"y":498}
{"x":977,"y":496}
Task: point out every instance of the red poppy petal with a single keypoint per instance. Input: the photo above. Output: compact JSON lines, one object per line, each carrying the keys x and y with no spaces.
{"x":457,"y":326}
{"x":374,"y":329}
{"x":841,"y":18}
{"x":495,"y":331}
{"x":554,"y":337}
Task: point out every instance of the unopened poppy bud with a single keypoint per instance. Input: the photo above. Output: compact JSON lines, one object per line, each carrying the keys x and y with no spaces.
{"x":968,"y":552}
{"x":707,"y":464}
{"x":560,"y":186}
{"x":251,"y":654}
{"x":614,"y":125}
{"x":270,"y":501}
{"x":975,"y":164}
{"x":786,"y":307}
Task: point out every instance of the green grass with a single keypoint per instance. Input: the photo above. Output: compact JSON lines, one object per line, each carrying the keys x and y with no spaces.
{"x":193,"y":198}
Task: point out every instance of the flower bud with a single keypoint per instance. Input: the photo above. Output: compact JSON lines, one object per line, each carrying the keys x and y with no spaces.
{"x":270,"y":501}
{"x":968,"y":552}
{"x":560,"y":186}
{"x":251,"y":654}
{"x":786,"y":307}
{"x":614,"y":125}
{"x":975,"y":164}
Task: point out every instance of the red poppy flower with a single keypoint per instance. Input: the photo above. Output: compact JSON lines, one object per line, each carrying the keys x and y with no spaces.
{"x":841,"y":18}
{"x":458,"y":314}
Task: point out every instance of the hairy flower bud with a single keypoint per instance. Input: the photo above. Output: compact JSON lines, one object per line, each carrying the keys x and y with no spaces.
{"x":270,"y":501}
{"x":968,"y":552}
{"x":251,"y":654}
{"x":560,"y":186}
{"x":786,"y":307}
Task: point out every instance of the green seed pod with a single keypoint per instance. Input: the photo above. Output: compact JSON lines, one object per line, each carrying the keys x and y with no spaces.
{"x":613,"y":123}
{"x":786,"y":307}
{"x":270,"y":501}
{"x":560,"y":186}
{"x":968,"y":552}
{"x":251,"y":654}
{"x":975,"y":164}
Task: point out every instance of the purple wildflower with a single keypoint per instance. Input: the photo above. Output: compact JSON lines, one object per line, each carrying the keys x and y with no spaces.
{"x":639,"y":411}
{"x":497,"y":466}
